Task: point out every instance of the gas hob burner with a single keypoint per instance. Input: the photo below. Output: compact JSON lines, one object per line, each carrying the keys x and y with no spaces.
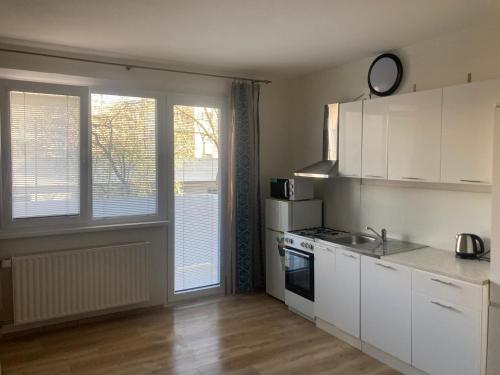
{"x":319,"y":232}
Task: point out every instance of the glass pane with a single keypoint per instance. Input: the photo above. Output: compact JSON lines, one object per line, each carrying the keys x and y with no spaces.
{"x":45,"y":150}
{"x":124,"y":181}
{"x":197,"y":255}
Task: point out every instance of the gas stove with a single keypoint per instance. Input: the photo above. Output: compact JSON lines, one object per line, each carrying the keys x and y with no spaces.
{"x":303,"y":239}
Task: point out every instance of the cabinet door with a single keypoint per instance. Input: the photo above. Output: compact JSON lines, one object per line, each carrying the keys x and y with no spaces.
{"x":414,"y":141}
{"x":350,"y":129}
{"x":324,"y":279}
{"x":386,"y":307}
{"x":346,"y":307}
{"x":374,"y":144}
{"x":275,"y":273}
{"x":446,"y":337}
{"x":468,"y":121}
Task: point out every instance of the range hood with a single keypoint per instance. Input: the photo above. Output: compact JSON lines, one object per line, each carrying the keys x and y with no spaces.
{"x":327,"y":167}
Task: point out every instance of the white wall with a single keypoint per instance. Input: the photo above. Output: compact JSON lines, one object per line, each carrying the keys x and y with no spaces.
{"x":432,"y":217}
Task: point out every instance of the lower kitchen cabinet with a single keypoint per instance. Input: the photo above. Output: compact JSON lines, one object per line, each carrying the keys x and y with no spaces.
{"x":324,"y":281}
{"x":446,"y":337}
{"x":346,"y":306}
{"x":449,"y":320}
{"x":386,"y":307}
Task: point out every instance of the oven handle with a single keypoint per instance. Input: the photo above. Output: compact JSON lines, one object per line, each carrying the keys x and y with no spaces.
{"x":298,"y":253}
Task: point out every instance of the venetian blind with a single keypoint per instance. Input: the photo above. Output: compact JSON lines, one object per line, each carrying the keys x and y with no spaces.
{"x":45,"y":154}
{"x":124,"y":173}
{"x":197,"y":200}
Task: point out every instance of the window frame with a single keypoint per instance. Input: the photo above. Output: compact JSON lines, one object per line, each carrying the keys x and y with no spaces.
{"x":161,"y":151}
{"x":6,"y":220}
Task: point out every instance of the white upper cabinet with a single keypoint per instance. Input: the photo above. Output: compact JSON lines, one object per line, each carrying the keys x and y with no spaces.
{"x":374,"y":149}
{"x":414,"y":141}
{"x":350,"y":130}
{"x":467,"y":144}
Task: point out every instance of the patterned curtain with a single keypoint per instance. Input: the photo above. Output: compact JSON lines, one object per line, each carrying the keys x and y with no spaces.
{"x":243,"y":237}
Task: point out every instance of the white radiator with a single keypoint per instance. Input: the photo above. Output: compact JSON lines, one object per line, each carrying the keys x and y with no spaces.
{"x":63,"y":283}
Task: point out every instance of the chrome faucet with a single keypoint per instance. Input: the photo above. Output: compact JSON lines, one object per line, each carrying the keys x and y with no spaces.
{"x":382,"y":236}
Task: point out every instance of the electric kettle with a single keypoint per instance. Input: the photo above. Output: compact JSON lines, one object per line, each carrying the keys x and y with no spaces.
{"x":468,"y":246}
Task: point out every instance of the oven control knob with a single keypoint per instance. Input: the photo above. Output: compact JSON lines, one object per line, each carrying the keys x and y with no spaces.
{"x":311,"y":247}
{"x":290,"y":241}
{"x":303,"y":244}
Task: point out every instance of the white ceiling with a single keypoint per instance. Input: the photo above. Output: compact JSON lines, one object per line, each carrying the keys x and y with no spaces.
{"x":275,"y":37}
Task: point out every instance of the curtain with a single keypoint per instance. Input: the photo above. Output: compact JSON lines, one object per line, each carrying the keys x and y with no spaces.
{"x":244,"y":250}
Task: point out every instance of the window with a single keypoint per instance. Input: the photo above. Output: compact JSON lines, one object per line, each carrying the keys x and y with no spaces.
{"x":124,"y":165}
{"x":45,"y":154}
{"x":197,"y":197}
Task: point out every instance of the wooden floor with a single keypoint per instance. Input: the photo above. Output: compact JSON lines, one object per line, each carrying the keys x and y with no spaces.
{"x":252,"y":334}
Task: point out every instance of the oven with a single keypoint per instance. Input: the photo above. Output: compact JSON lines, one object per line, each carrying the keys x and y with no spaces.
{"x":299,"y":272}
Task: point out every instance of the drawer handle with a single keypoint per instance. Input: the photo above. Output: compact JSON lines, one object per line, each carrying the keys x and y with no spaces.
{"x":385,"y":266}
{"x":475,"y":181}
{"x":373,"y":176}
{"x":414,"y":178}
{"x":350,"y":256}
{"x":445,"y":282}
{"x":349,"y":175}
{"x":448,"y":307}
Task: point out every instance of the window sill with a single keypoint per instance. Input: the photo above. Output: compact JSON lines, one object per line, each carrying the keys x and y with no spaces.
{"x":26,"y":233}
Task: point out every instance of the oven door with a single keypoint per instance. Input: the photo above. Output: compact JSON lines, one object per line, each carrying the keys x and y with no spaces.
{"x":299,"y":273}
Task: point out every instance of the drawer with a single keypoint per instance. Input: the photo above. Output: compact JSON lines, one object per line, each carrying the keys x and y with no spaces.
{"x":448,"y":289}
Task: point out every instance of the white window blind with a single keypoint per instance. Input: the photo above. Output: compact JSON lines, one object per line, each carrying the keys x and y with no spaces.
{"x":197,"y":199}
{"x":45,"y":154}
{"x":124,"y":168}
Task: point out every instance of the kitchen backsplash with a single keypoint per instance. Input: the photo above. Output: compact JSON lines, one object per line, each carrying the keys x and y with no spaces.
{"x":428,"y":216}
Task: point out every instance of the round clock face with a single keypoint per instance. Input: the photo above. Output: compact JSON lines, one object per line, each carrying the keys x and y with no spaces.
{"x":385,"y":74}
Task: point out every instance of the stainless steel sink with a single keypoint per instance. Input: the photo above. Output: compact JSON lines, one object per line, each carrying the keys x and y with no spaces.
{"x":370,"y":245}
{"x":356,"y":239}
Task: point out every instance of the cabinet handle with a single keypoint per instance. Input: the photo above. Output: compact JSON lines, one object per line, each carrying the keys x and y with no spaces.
{"x":349,"y":175}
{"x":448,"y":307}
{"x":414,"y":178}
{"x":475,"y":181}
{"x":373,"y":176}
{"x":350,"y":256}
{"x":385,"y":266}
{"x":449,"y":283}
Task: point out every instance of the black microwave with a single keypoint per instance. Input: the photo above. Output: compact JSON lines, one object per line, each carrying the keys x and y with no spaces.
{"x":293,"y":189}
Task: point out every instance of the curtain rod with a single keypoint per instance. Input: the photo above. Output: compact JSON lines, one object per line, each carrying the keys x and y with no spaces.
{"x":134,"y":66}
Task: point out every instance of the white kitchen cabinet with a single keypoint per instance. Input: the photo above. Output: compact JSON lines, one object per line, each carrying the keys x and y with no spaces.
{"x":324,"y":280}
{"x":275,"y":271}
{"x":346,"y":305}
{"x":446,"y":337}
{"x":414,"y":139}
{"x":350,"y":130}
{"x":468,"y":122}
{"x":374,"y":144}
{"x":448,"y":325}
{"x":386,"y":307}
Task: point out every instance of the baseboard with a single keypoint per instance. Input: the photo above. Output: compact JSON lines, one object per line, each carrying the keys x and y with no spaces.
{"x":341,"y":335}
{"x":389,"y":360}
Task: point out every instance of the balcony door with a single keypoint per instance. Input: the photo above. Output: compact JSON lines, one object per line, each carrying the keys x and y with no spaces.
{"x":195,"y":256}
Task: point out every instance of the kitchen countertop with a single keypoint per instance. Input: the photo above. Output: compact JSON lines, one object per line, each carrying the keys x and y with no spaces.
{"x":444,"y":263}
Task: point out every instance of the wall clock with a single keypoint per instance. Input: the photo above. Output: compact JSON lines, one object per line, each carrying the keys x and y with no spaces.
{"x":385,"y":74}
